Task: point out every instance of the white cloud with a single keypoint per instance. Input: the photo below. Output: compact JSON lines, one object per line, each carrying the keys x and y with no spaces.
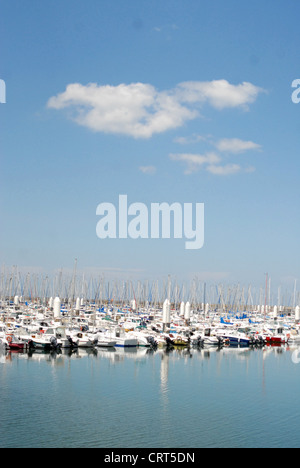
{"x":137,"y":110}
{"x":148,"y":170}
{"x":195,"y":162}
{"x":236,"y":146}
{"x":219,"y":93}
{"x":140,"y":111}
{"x":228,"y":169}
{"x":195,"y":138}
{"x":210,"y":162}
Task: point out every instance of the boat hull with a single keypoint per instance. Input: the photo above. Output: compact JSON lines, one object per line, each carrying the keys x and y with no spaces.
{"x":126,"y":343}
{"x":17,"y":346}
{"x":39,"y":345}
{"x":106,"y":344}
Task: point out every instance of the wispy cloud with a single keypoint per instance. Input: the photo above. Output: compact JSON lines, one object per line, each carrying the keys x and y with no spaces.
{"x":216,"y":163}
{"x":150,"y":170}
{"x":236,"y":146}
{"x":139,"y":110}
{"x":187,"y":140}
{"x":195,"y":162}
{"x":226,"y":170}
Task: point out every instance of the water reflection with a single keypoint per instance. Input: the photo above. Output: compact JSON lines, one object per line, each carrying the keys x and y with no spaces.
{"x":180,"y":397}
{"x":162,"y":358}
{"x":121,"y":354}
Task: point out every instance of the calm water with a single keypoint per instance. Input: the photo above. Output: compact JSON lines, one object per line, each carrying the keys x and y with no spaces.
{"x":139,"y":399}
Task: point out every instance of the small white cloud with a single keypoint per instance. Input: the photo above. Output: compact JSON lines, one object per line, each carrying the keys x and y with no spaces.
{"x":236,"y":146}
{"x":219,"y":93}
{"x":189,"y":139}
{"x":195,"y":162}
{"x":210,"y":162}
{"x":151,"y":170}
{"x":226,"y":170}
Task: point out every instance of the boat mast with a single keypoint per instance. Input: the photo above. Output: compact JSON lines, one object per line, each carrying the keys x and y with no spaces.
{"x":266,"y":292}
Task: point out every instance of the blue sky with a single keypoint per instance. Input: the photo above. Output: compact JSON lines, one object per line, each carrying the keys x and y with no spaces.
{"x":200,"y":93}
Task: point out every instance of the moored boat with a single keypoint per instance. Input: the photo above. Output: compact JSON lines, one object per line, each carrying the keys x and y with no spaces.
{"x":125,"y":340}
{"x":15,"y":343}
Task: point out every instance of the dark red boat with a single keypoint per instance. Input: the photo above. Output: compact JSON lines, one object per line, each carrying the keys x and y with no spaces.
{"x":16,"y":346}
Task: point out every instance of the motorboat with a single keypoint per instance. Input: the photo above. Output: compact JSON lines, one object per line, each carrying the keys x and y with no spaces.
{"x":103,"y":340}
{"x":125,"y":340}
{"x":83,"y":339}
{"x":234,"y":337}
{"x":15,"y":343}
{"x":276,"y":335}
{"x":62,"y":337}
{"x":145,"y":339}
{"x":207,"y":337}
{"x":18,"y":339}
{"x":45,"y":342}
{"x":212,"y":340}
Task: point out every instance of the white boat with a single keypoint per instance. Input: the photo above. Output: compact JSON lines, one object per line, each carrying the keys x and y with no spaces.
{"x":208,"y":337}
{"x":103,"y":340}
{"x":103,"y":343}
{"x":125,"y":340}
{"x":82,"y":339}
{"x":46,"y":343}
{"x":211,"y":340}
{"x":62,"y":337}
{"x":294,"y":337}
{"x":144,"y":339}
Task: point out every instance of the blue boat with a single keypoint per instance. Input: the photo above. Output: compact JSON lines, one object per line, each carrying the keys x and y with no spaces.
{"x":236,"y":338}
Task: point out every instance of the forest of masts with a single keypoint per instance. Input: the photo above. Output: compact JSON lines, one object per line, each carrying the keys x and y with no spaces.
{"x":39,"y":288}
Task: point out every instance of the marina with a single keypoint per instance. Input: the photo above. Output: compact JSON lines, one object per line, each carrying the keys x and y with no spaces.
{"x":136,"y":373}
{"x":41,"y":312}
{"x":55,"y":323}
